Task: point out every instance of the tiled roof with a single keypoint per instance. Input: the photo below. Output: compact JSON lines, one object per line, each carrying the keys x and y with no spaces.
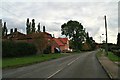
{"x":64,"y":40}
{"x":37,"y":35}
{"x":16,"y":35}
{"x":58,"y":42}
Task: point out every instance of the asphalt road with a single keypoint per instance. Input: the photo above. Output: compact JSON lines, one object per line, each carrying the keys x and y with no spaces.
{"x":83,"y":65}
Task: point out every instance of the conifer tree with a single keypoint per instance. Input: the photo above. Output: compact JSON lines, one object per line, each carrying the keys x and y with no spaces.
{"x":33,"y":25}
{"x":28,"y":28}
{"x":39,"y":27}
{"x":4,"y":29}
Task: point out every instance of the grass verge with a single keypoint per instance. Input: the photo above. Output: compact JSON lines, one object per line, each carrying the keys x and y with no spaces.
{"x":22,"y":61}
{"x":113,"y":57}
{"x":99,"y":53}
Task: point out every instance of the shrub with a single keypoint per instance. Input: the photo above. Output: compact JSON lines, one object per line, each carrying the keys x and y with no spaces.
{"x":47,"y":50}
{"x":17,"y":49}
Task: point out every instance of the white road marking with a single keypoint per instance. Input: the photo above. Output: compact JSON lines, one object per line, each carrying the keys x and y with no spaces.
{"x":61,"y":68}
{"x":55,"y":73}
{"x":72,"y":61}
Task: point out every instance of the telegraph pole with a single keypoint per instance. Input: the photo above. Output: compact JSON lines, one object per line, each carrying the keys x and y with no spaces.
{"x":100,"y":39}
{"x":106,"y":46}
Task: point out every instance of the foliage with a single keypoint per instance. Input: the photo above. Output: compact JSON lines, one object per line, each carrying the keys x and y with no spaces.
{"x":38,"y":27}
{"x":43,"y":28}
{"x":17,"y":49}
{"x":113,"y":57}
{"x":74,"y":30}
{"x":47,"y":50}
{"x":41,"y":42}
{"x":118,"y":39}
{"x":33,"y":25}
{"x":21,"y":61}
{"x":4,"y":29}
{"x":28,"y":28}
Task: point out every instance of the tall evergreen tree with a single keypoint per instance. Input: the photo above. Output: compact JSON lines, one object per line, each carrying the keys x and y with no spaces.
{"x":15,"y":30}
{"x":33,"y":25}
{"x":118,"y":39}
{"x":28,"y":28}
{"x":4,"y":29}
{"x":11,"y":31}
{"x":38,"y":27}
{"x":43,"y":28}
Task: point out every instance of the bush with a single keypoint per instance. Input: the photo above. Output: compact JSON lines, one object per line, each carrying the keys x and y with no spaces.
{"x":17,"y":49}
{"x":47,"y":50}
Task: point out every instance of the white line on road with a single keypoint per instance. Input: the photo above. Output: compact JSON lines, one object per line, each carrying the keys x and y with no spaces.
{"x":72,"y":61}
{"x":55,"y":73}
{"x":61,"y":68}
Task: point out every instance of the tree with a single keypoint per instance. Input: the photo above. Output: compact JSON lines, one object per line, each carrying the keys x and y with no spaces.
{"x":41,"y":42}
{"x":43,"y":28}
{"x":118,"y":39}
{"x":33,"y":25}
{"x":4,"y":29}
{"x":38,"y":27}
{"x":88,"y":41}
{"x":75,"y":31}
{"x":28,"y":28}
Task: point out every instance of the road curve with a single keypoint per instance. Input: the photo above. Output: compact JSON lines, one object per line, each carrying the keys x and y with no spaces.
{"x":83,"y":65}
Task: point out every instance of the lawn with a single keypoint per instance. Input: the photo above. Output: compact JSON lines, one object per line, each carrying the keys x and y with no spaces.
{"x":22,"y":61}
{"x":113,"y":57}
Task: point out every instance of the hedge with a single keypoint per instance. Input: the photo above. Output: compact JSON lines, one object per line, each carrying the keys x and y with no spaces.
{"x":17,"y":49}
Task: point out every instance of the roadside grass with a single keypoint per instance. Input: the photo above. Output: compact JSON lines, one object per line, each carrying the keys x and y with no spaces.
{"x":99,"y":53}
{"x":113,"y":57}
{"x":23,"y":61}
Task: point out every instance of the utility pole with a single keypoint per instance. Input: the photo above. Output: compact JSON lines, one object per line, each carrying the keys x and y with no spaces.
{"x":106,"y":46}
{"x":100,"y":39}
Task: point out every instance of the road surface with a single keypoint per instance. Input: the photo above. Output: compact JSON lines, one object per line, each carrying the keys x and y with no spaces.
{"x":83,"y":65}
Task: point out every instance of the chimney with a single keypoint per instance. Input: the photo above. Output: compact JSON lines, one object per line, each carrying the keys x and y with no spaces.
{"x":43,"y":28}
{"x":11,"y":31}
{"x":15,"y":30}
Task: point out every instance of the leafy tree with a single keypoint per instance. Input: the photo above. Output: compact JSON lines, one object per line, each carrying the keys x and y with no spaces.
{"x":28,"y":28}
{"x":41,"y":42}
{"x":33,"y":25}
{"x":39,"y":27}
{"x":75,"y":31}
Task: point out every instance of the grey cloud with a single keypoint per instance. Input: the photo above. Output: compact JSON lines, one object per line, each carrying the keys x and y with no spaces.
{"x":54,"y":14}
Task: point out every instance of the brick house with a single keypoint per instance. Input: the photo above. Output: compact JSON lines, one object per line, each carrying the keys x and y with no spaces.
{"x":60,"y":43}
{"x":14,"y":36}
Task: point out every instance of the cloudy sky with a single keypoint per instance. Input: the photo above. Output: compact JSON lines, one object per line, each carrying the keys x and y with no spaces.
{"x":53,"y":13}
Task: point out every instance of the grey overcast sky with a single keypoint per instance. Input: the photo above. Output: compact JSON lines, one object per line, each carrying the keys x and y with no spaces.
{"x":53,"y":13}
